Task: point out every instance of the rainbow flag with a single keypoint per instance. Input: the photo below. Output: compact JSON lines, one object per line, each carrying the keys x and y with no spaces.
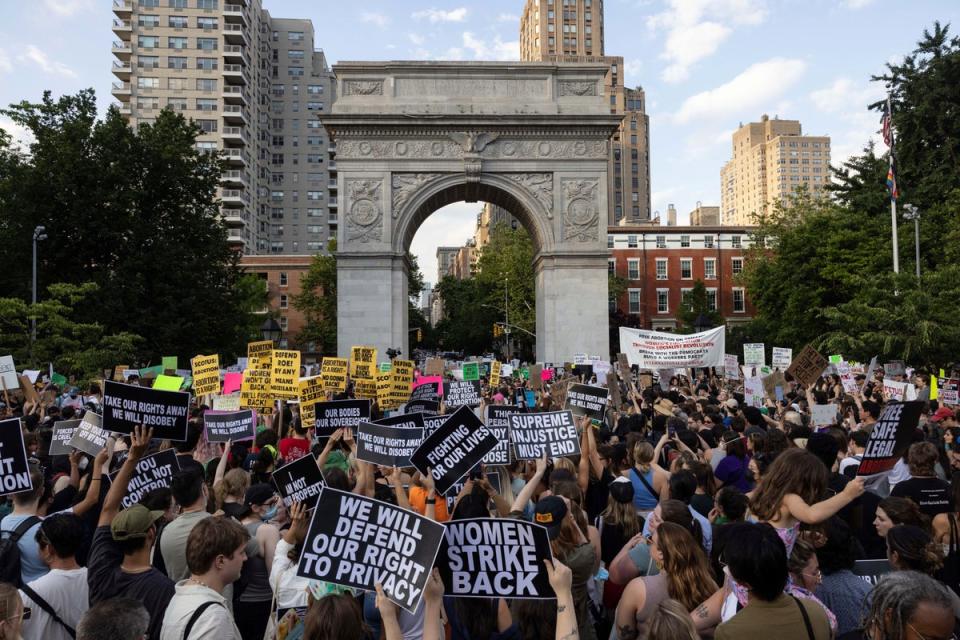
{"x":892,"y":180}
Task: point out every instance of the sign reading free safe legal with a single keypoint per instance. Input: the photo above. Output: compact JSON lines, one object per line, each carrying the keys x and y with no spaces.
{"x":126,"y":406}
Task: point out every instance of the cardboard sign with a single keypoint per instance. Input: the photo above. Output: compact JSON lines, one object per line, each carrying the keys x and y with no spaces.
{"x":869,"y":375}
{"x":387,"y":446}
{"x":300,"y":481}
{"x":311,"y":390}
{"x":846,"y":378}
{"x":255,"y":392}
{"x":498,"y":421}
{"x":206,"y":374}
{"x":126,"y":406}
{"x":363,"y":363}
{"x":88,"y":436}
{"x":358,"y":542}
{"x":285,"y":374}
{"x":623,"y":366}
{"x":454,"y":449}
{"x":892,"y":435}
{"x":585,"y":400}
{"x":433,"y":367}
{"x":14,"y":468}
{"x":753,"y":392}
{"x":495,"y":558}
{"x":461,"y":394}
{"x":535,"y":433}
{"x":656,"y":349}
{"x":731,"y":368}
{"x":29,"y":391}
{"x":495,"y":369}
{"x":782,"y":357}
{"x":227,"y":403}
{"x":168,"y":383}
{"x":62,"y":435}
{"x":807,"y":367}
{"x":893,"y":390}
{"x":772,"y":381}
{"x":236,"y":426}
{"x":471,"y":371}
{"x":823,"y":415}
{"x":152,"y":472}
{"x":339,"y":414}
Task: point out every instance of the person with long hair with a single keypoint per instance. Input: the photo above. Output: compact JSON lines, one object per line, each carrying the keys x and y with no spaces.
{"x":649,"y":479}
{"x":910,"y":548}
{"x":908,"y":605}
{"x":841,"y":591}
{"x":893,"y":511}
{"x":12,"y":612}
{"x":684,"y":576}
{"x":732,"y":470}
{"x":230,"y":491}
{"x":805,"y":576}
{"x":635,"y":559}
{"x":946,"y":532}
{"x":671,"y":621}
{"x":252,"y":604}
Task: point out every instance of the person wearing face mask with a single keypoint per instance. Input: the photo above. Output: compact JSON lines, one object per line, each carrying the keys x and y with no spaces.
{"x":252,"y":595}
{"x":190,"y":492}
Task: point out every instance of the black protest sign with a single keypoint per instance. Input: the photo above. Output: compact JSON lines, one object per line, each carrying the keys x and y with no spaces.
{"x":14,"y":469}
{"x":387,"y":446}
{"x":62,"y":434}
{"x":300,"y":481}
{"x":453,"y":449}
{"x":340,"y":414}
{"x":358,"y":542}
{"x":583,"y":371}
{"x":152,"y":472}
{"x":451,"y":495}
{"x":495,"y":558}
{"x":426,"y":391}
{"x":403,"y":421}
{"x":891,"y":436}
{"x":584,"y":400}
{"x":535,"y":433}
{"x":461,"y":393}
{"x":230,"y":425}
{"x":88,"y":436}
{"x":498,"y":421}
{"x":432,"y":423}
{"x":126,"y":406}
{"x":872,"y":571}
{"x":426,"y":407}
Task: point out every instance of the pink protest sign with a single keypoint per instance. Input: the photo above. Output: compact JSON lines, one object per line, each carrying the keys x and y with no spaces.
{"x":438,"y":380}
{"x":231,"y":382}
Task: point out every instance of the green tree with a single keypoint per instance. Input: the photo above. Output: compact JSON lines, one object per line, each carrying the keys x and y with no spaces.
{"x":467,"y":324}
{"x":506,"y":282}
{"x":317,"y":301}
{"x":695,"y":304}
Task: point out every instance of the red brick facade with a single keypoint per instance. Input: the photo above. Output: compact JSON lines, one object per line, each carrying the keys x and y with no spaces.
{"x":282,"y":275}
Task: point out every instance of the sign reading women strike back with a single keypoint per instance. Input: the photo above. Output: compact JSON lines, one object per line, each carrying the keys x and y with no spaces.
{"x":300,"y":481}
{"x":152,"y":472}
{"x":535,"y":433}
{"x":236,"y":425}
{"x":14,"y":470}
{"x":584,"y":400}
{"x":495,"y":558}
{"x":358,"y":542}
{"x":892,"y":435}
{"x":453,"y":449}
{"x":126,"y":406}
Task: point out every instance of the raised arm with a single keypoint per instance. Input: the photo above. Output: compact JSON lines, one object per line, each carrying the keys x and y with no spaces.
{"x":328,"y":448}
{"x":583,"y":469}
{"x":527,"y":492}
{"x":816,"y":513}
{"x":139,"y":440}
{"x":561,"y":579}
{"x":222,"y":465}
{"x":92,"y":496}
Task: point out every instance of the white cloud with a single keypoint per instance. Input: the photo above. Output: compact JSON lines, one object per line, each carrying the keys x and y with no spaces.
{"x":856,"y":4}
{"x":508,"y":17}
{"x":497,"y":50}
{"x":846,"y":101}
{"x":372,"y":17}
{"x":844,"y":95}
{"x":67,"y":8}
{"x":5,"y":65}
{"x":755,"y":88}
{"x":22,"y":137}
{"x":439,"y":15}
{"x":416,"y":38}
{"x":39,"y":58}
{"x":631,"y":71}
{"x":449,"y":226}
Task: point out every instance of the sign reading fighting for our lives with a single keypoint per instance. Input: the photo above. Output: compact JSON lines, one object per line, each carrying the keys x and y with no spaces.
{"x":14,"y":468}
{"x":461,"y":393}
{"x":657,"y":350}
{"x":237,"y":425}
{"x":891,"y":436}
{"x":152,"y":472}
{"x":454,"y":449}
{"x":359,"y":542}
{"x":387,"y":446}
{"x":126,"y":406}
{"x":340,"y":414}
{"x":584,"y":400}
{"x":495,"y":558}
{"x":88,"y":436}
{"x":553,"y":433}
{"x":498,"y":421}
{"x":300,"y":481}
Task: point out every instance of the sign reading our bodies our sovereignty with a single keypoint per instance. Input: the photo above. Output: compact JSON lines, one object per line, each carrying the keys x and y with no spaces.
{"x":359,"y":542}
{"x":387,"y":446}
{"x":495,"y":558}
{"x":206,"y":374}
{"x":363,"y":363}
{"x":152,"y":472}
{"x":498,"y":421}
{"x":285,"y":374}
{"x":14,"y":468}
{"x":454,"y":449}
{"x":584,"y":400}
{"x":88,"y":436}
{"x":300,"y":481}
{"x":339,"y":414}
{"x":535,"y":433}
{"x":127,"y":406}
{"x":891,"y":436}
{"x":62,"y":434}
{"x":657,"y":350}
{"x":236,"y":426}
{"x":464,"y":393}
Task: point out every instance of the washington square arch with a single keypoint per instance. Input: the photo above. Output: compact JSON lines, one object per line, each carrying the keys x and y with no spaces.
{"x":413,"y":137}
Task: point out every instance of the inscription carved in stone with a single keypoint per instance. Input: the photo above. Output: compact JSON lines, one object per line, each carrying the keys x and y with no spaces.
{"x":580,"y":210}
{"x":365,"y":215}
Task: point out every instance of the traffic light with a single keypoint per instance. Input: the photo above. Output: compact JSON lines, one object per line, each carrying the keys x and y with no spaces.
{"x":419,"y":335}
{"x":497,"y":330}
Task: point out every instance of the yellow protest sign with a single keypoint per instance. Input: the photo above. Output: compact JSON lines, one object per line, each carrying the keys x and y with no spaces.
{"x":311,"y":391}
{"x":285,"y":374}
{"x":308,"y":415}
{"x":206,"y":374}
{"x":363,"y":363}
{"x":403,"y":370}
{"x":495,"y":373}
{"x":168,"y":383}
{"x":365,"y":389}
{"x":259,"y":354}
{"x":385,"y":397}
{"x":255,"y":391}
{"x":334,"y":374}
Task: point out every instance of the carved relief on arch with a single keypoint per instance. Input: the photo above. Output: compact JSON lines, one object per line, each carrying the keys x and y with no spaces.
{"x":363,"y":87}
{"x":404,"y":185}
{"x":540,"y":186}
{"x":581,"y":210}
{"x":364,"y":209}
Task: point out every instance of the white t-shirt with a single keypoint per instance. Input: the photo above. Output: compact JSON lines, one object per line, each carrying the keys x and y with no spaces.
{"x":215,"y":623}
{"x":66,"y":592}
{"x":852,"y":461}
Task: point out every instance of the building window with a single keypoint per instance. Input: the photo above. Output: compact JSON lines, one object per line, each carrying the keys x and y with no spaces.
{"x":206,"y":104}
{"x":314,"y":195}
{"x":686,"y":268}
{"x":315,"y":89}
{"x":177,"y":104}
{"x":661,"y":242}
{"x":295,"y":72}
{"x":711,"y":299}
{"x":612,"y":266}
{"x":177,"y":84}
{"x":314,"y":106}
{"x":148,"y":62}
{"x":633,"y":269}
{"x":684,"y":241}
{"x":206,"y":23}
{"x":178,"y":22}
{"x":314,"y":228}
{"x":206,"y":4}
{"x":314,"y":213}
{"x":207,"y":126}
{"x":633,"y":300}
{"x":708,"y":242}
{"x":148,"y":83}
{"x":283,"y":301}
{"x":148,"y":42}
{"x":178,"y":4}
{"x":663,"y":301}
{"x":736,"y":265}
{"x":736,"y":242}
{"x":609,"y":242}
{"x":661,"y":268}
{"x":631,"y":242}
{"x":277,"y":247}
{"x":276,"y":196}
{"x":739,"y":301}
{"x":176,"y":42}
{"x":176,"y":62}
{"x":148,"y":21}
{"x":709,"y":268}
{"x":295,"y":36}
{"x":149,"y":4}
{"x":207,"y":44}
{"x":148,"y":104}
{"x":206,"y":84}
{"x":208,"y":64}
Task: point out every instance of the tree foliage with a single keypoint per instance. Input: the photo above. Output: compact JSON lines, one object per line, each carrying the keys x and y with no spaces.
{"x":317,"y":301}
{"x":695,"y":304}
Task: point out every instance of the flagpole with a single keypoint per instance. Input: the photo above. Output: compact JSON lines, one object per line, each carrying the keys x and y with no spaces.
{"x":888,"y":137}
{"x":896,"y":247}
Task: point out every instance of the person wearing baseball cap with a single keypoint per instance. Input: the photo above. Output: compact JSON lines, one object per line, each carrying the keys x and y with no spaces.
{"x":944,"y":418}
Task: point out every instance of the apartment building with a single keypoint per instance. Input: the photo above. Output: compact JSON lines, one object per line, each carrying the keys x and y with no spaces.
{"x":256,"y":86}
{"x":771,"y":158}
{"x":282,"y":276}
{"x":446,"y":257}
{"x":487,"y":220}
{"x":572,"y":31}
{"x":704,"y":216}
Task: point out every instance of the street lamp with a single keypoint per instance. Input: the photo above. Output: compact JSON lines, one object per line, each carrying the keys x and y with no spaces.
{"x":701,"y":324}
{"x":912,"y":213}
{"x":39,"y":235}
{"x":270,"y":330}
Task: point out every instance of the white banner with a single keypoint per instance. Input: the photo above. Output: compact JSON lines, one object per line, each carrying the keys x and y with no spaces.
{"x":659,"y":350}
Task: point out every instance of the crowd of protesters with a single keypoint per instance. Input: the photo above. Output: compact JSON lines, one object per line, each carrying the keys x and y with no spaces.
{"x":687,"y":514}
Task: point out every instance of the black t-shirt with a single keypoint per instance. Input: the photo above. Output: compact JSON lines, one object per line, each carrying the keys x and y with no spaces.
{"x":702,"y":503}
{"x":106,"y":580}
{"x":598,"y":492}
{"x":932,"y":495}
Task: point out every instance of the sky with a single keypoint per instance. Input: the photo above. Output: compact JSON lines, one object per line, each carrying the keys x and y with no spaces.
{"x":706,"y":67}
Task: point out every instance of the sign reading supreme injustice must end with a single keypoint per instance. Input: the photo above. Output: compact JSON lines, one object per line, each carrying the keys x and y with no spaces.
{"x":535,"y":433}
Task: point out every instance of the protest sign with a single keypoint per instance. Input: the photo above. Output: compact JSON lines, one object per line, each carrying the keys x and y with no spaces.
{"x":62,"y":434}
{"x":333,"y":372}
{"x":656,"y":349}
{"x":385,"y":367}
{"x":772,"y":381}
{"x":495,"y":368}
{"x":432,"y":423}
{"x":387,"y":446}
{"x":121,"y":373}
{"x":454,"y":449}
{"x":601,"y":369}
{"x":300,"y":481}
{"x":823,"y":415}
{"x":308,"y":416}
{"x":457,"y":487}
{"x":29,"y":391}
{"x":753,"y":392}
{"x":167,"y":383}
{"x":495,"y":558}
{"x":227,"y":403}
{"x":426,"y":407}
{"x":284,"y":374}
{"x":169,"y":363}
{"x":893,"y":390}
{"x":895,"y":368}
{"x":536,"y":377}
{"x":259,"y":354}
{"x":339,"y":414}
{"x":869,"y":375}
{"x":88,"y":436}
{"x":359,"y":542}
{"x":949,"y":391}
{"x":846,"y":378}
{"x":461,"y":394}
{"x":236,"y":426}
{"x":8,"y":373}
{"x":498,"y":422}
{"x":731,"y":368}
{"x":871,"y":571}
{"x":206,"y":374}
{"x":14,"y":468}
{"x":363,"y":363}
{"x":433,"y":367}
{"x":583,"y":372}
{"x":623,"y":366}
{"x":585,"y":400}
{"x":428,"y":389}
{"x":534,"y":433}
{"x":366,"y":389}
{"x":807,"y":367}
{"x":782,"y":357}
{"x":891,"y":436}
{"x":403,"y":421}
{"x":32,"y":375}
{"x":613,"y":390}
{"x":152,"y":472}
{"x":127,"y":406}
{"x":311,"y":390}
{"x":232,"y":382}
{"x":255,"y":391}
{"x":471,"y":371}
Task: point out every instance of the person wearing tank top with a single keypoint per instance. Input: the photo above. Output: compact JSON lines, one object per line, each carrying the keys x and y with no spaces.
{"x":253,"y":596}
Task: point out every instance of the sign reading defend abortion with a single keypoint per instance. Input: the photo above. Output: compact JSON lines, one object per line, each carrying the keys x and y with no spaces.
{"x":358,"y":542}
{"x":454,"y":449}
{"x":126,"y":406}
{"x":535,"y":433}
{"x":300,"y":481}
{"x":152,"y":472}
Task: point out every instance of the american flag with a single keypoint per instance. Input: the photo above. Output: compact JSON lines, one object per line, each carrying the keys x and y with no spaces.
{"x":887,"y":125}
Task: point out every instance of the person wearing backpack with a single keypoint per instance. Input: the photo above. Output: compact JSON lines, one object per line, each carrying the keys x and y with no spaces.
{"x":60,"y":598}
{"x":20,"y":560}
